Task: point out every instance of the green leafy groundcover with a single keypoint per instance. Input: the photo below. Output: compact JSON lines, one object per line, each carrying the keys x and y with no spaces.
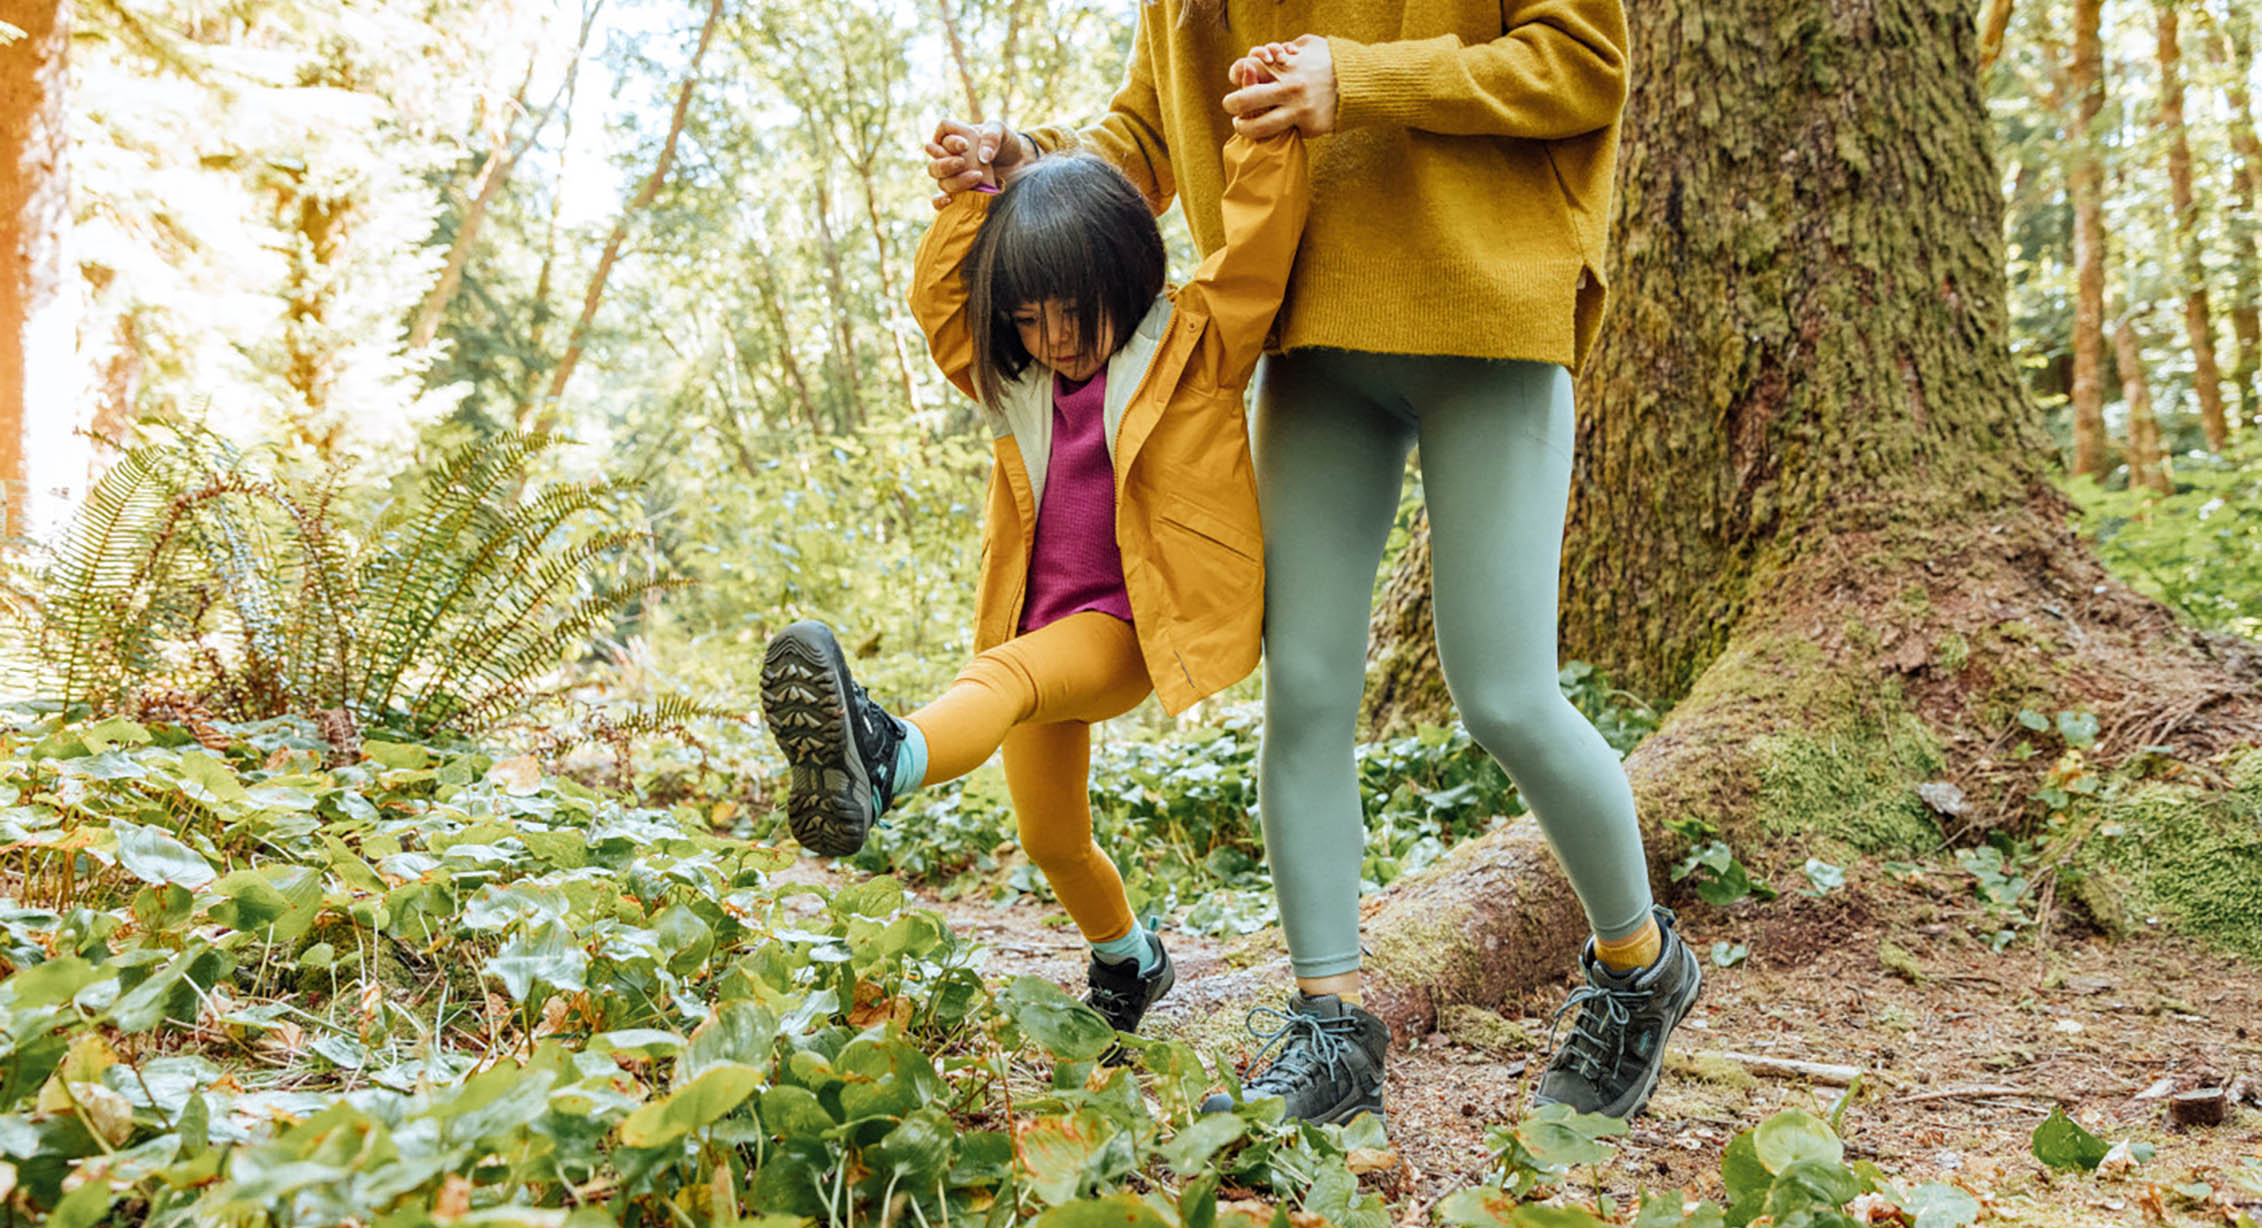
{"x":246,"y":984}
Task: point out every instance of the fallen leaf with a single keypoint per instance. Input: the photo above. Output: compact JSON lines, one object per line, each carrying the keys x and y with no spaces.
{"x":1364,"y":1160}
{"x":519,"y":776}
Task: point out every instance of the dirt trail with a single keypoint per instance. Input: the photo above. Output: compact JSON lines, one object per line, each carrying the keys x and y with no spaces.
{"x":1964,"y":1049}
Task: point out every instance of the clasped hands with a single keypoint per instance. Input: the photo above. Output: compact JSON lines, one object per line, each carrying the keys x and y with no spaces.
{"x":1277,"y":86}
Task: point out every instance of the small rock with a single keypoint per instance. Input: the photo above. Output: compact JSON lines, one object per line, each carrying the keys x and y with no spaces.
{"x":2068,"y":1026}
{"x":2206,"y":1107}
{"x":2160,"y":1087}
{"x":1944,"y":797}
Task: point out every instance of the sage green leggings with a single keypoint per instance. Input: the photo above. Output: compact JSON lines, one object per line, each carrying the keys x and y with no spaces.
{"x":1332,"y":432}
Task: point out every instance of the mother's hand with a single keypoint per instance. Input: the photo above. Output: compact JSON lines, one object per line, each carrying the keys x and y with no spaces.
{"x":963,"y":156}
{"x":1301,"y":94}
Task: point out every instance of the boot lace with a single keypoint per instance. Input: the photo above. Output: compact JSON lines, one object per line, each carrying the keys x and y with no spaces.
{"x":1305,"y":1042}
{"x":1598,"y":1033}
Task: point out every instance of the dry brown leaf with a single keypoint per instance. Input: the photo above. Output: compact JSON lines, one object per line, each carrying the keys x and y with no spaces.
{"x":519,"y":776}
{"x":454,"y":1198}
{"x":1364,"y":1160}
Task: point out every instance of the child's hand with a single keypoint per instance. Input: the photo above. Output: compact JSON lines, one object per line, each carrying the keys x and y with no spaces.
{"x":1258,"y":66}
{"x":1296,"y":90}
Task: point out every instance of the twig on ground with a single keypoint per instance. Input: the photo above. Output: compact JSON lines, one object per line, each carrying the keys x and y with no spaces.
{"x":1829,"y":1074}
{"x":1978,"y":1091}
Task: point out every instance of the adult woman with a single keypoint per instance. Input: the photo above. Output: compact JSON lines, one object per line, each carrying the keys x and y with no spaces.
{"x":1446,"y":287}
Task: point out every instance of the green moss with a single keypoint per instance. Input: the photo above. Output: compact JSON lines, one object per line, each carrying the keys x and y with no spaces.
{"x":1709,"y":1068}
{"x":1895,"y":959}
{"x":1951,"y":652}
{"x":2187,"y":856}
{"x":1478,"y":1028}
{"x":1852,"y":780}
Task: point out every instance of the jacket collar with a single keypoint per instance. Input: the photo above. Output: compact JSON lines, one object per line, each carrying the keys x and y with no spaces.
{"x":1025,"y":405}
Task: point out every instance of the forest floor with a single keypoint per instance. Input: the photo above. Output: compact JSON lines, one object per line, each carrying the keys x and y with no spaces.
{"x":1963,"y":1049}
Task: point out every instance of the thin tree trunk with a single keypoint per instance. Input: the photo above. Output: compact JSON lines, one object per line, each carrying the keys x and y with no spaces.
{"x":2085,"y":183}
{"x":897,"y":326}
{"x":1991,"y":29}
{"x":958,"y":60}
{"x":2146,"y":466}
{"x":1007,"y":49}
{"x":643,"y":198}
{"x":538,"y":328}
{"x":1811,"y":504}
{"x":766,"y":290}
{"x":502,"y":159}
{"x":2246,"y":307}
{"x":2199,"y":327}
{"x":844,"y":331}
{"x":43,"y":458}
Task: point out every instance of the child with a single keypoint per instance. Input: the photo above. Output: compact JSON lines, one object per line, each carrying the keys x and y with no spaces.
{"x":1120,"y":547}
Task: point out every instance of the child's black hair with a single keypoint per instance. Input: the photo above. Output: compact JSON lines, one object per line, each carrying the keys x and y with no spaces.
{"x":1069,"y":228}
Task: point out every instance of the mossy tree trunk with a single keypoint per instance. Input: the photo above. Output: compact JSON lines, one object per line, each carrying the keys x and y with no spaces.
{"x":1811,"y":506}
{"x":2199,"y":327}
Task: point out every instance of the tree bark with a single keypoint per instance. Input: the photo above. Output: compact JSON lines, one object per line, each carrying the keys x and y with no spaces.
{"x":637,"y":204}
{"x":2246,"y":309}
{"x":538,"y":327}
{"x":958,"y":60}
{"x":2146,"y":466}
{"x":844,"y":324}
{"x":2085,"y":184}
{"x":43,"y":457}
{"x":2199,"y":328}
{"x":1811,"y":502}
{"x":1991,"y":30}
{"x":501,"y":160}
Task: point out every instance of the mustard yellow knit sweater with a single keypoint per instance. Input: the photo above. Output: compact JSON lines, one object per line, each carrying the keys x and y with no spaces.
{"x":1460,"y":206}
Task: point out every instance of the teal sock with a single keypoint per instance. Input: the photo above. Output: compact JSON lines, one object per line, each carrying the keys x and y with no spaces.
{"x":1132,"y":946}
{"x":910,"y":760}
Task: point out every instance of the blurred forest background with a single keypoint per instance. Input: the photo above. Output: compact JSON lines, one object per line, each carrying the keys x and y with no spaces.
{"x":677,"y":234}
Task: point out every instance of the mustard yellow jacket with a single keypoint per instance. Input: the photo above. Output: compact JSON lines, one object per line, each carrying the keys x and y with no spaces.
{"x":1185,"y":494}
{"x":1462,"y":204}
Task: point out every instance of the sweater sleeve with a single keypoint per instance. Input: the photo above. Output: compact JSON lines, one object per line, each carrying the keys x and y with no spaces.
{"x":1239,"y":287}
{"x":1558,"y":72}
{"x":938,"y":287}
{"x":1130,"y":135}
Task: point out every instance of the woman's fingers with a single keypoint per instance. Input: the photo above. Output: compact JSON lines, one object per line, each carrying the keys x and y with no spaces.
{"x":1265,"y":124}
{"x":1300,"y":95}
{"x":1250,"y":99}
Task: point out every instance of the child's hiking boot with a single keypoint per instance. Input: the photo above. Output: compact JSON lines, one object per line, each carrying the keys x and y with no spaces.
{"x":1328,"y":1068}
{"x":1610,"y":1062}
{"x":1122,"y":994}
{"x":839,"y":744}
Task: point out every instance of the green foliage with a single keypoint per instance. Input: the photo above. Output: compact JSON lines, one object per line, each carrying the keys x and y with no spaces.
{"x":2199,"y":549}
{"x":192,"y":572}
{"x":245,"y":987}
{"x":2060,"y":1142}
{"x":1179,"y":814}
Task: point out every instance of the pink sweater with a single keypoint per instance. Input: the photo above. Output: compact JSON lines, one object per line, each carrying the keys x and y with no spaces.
{"x":1074,"y":563}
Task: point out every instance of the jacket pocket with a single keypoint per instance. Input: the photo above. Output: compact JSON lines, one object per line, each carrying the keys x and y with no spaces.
{"x":1212,"y":529}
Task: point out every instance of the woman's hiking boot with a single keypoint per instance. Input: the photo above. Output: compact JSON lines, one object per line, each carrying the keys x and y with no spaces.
{"x":1609,"y":1063}
{"x":839,"y":745}
{"x":1328,"y":1067}
{"x":1122,"y":994}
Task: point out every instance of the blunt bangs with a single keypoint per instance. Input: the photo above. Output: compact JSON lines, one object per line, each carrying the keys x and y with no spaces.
{"x":1070,"y":228}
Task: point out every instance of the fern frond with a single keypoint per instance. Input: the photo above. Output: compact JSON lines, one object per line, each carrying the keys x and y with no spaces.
{"x":506,"y":674}
{"x":417,"y":557}
{"x":90,"y":638}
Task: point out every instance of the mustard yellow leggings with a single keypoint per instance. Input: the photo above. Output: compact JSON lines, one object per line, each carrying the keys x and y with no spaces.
{"x":1037,"y":695}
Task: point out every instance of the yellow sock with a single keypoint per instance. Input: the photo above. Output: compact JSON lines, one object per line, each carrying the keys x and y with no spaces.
{"x":1639,"y":949}
{"x":1346,"y":987}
